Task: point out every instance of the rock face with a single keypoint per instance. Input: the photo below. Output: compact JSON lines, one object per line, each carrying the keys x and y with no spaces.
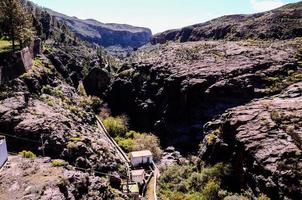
{"x":38,"y":179}
{"x":97,"y":81}
{"x":263,"y":141}
{"x":15,"y":64}
{"x":41,"y":112}
{"x":281,"y":23}
{"x":75,"y":62}
{"x":106,"y":34}
{"x":176,"y":88}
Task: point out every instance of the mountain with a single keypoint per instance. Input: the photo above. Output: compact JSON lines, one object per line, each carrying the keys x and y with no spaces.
{"x":107,"y":35}
{"x":282,"y":23}
{"x":226,"y":113}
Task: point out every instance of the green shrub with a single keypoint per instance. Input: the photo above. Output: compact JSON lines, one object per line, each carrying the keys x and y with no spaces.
{"x":58,"y":163}
{"x":147,"y":141}
{"x":116,"y":126}
{"x":275,"y":116}
{"x":125,"y":143}
{"x":75,"y":139}
{"x":58,"y":93}
{"x":211,"y":138}
{"x":132,"y":134}
{"x":37,"y":62}
{"x":27,"y":154}
{"x":195,"y":183}
{"x":91,"y":101}
{"x":47,"y":89}
{"x":211,"y":189}
{"x":263,"y":197}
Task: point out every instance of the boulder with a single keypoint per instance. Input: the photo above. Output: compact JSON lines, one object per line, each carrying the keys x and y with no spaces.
{"x":97,"y":81}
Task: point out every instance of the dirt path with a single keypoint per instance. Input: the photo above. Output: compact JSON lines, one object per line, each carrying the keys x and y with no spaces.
{"x":150,"y":190}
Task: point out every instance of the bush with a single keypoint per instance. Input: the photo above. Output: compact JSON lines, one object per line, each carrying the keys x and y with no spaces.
{"x":211,"y":189}
{"x":263,"y":197}
{"x":46,"y":89}
{"x":58,"y":163}
{"x":91,"y":101}
{"x":27,"y":154}
{"x":275,"y":116}
{"x":125,"y":143}
{"x":75,"y":139}
{"x":195,"y":183}
{"x":116,"y":126}
{"x":149,"y":142}
{"x":211,"y":138}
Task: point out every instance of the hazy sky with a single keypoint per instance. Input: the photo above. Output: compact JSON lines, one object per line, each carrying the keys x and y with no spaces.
{"x":159,"y":15}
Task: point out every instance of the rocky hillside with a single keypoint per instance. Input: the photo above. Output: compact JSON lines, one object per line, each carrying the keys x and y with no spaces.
{"x":263,"y":140}
{"x":39,"y":178}
{"x":107,"y":35}
{"x":43,"y":111}
{"x":176,"y":88}
{"x":281,"y":23}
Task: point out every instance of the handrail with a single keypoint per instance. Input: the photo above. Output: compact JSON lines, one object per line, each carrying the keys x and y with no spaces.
{"x":156,"y":176}
{"x":100,"y":124}
{"x":155,"y":172}
{"x":117,"y":147}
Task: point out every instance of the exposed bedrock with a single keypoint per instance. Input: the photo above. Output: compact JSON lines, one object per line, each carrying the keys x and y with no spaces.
{"x":263,"y":141}
{"x":174,"y":89}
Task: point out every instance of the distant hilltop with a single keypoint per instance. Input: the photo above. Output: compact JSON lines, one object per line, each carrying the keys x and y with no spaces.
{"x":106,"y":34}
{"x":281,"y":23}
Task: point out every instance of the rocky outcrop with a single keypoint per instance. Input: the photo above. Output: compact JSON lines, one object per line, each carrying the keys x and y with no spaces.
{"x":41,"y":112}
{"x":75,"y":63}
{"x":281,"y":23}
{"x":14,"y":64}
{"x":37,"y":178}
{"x":174,"y":89}
{"x":97,"y":81}
{"x":263,"y":141}
{"x":106,"y":34}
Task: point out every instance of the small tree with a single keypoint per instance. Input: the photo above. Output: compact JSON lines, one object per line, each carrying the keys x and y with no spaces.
{"x":147,"y":141}
{"x":16,"y":21}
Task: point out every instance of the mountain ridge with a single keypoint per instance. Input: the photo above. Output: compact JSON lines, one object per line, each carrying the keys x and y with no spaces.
{"x":105,"y":34}
{"x":281,"y":23}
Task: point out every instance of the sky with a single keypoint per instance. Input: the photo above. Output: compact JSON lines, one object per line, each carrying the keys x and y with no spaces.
{"x":158,"y":15}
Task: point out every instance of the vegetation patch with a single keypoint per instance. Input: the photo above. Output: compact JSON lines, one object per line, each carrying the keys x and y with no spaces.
{"x":193,"y":181}
{"x":211,"y":138}
{"x":27,"y":154}
{"x":58,"y":163}
{"x":116,"y":126}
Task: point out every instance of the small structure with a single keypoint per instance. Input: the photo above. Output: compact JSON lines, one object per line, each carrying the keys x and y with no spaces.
{"x":138,"y":176}
{"x":141,"y":157}
{"x":133,"y":189}
{"x":3,"y":151}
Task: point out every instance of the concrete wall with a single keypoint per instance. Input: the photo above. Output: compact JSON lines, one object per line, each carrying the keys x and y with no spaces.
{"x":141,"y":160}
{"x":3,"y":152}
{"x":138,"y":179}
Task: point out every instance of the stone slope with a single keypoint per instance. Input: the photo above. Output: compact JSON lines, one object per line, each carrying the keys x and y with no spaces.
{"x":281,"y":23}
{"x":176,"y":88}
{"x":41,"y":104}
{"x":105,"y":34}
{"x":37,"y":178}
{"x":263,"y":141}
